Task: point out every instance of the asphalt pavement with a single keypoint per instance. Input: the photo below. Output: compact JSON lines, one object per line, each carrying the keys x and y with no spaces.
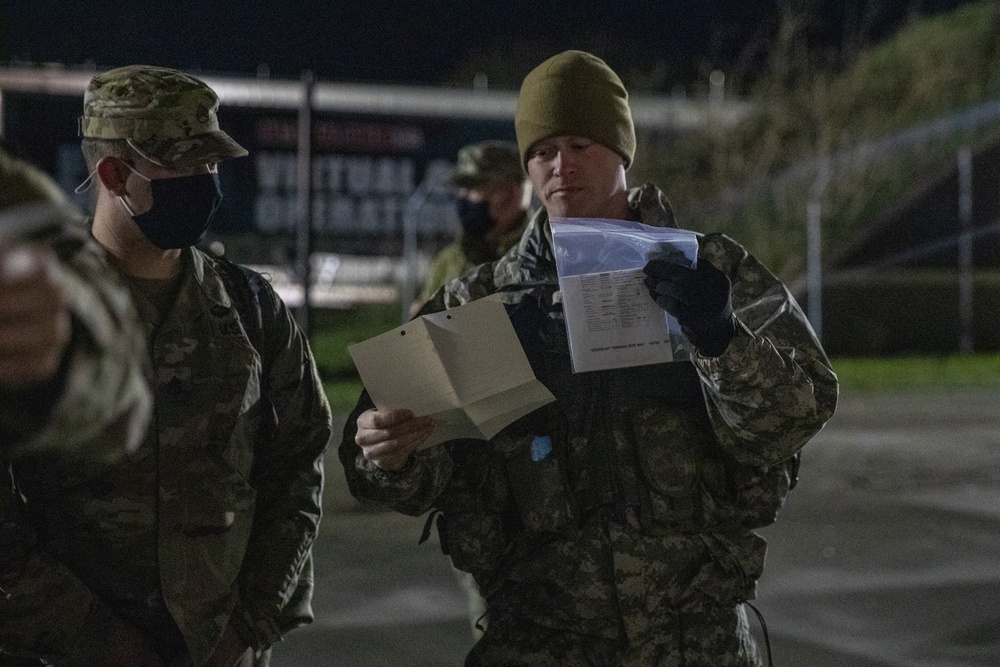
{"x":887,"y":554}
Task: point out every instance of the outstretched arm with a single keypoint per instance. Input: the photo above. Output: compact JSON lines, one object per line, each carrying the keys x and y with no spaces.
{"x":71,"y":351}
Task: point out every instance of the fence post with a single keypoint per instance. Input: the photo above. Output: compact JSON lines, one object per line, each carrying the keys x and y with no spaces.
{"x":814,"y":246}
{"x":965,"y":313}
{"x":304,"y":236}
{"x":408,"y":287}
{"x":411,"y":222}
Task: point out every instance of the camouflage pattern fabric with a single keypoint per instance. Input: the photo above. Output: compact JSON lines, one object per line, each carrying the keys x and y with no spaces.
{"x":210,"y":522}
{"x":514,"y":642}
{"x":169,"y":117}
{"x":479,"y":164}
{"x":24,"y":184}
{"x":102,"y":403}
{"x":464,"y":253}
{"x":631,"y":540}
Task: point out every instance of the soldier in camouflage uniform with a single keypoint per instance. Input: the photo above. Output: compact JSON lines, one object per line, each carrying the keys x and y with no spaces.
{"x":196,"y":550}
{"x":71,"y":374}
{"x":616,"y":525}
{"x":491,"y":209}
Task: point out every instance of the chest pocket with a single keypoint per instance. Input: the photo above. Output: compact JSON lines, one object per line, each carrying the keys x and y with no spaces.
{"x":661,"y":409}
{"x":207,"y":386}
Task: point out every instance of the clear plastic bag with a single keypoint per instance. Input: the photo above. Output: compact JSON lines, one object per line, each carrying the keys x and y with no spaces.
{"x":595,"y":245}
{"x":612,"y":320}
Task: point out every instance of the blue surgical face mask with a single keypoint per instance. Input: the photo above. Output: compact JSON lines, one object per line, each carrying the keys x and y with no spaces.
{"x":474,"y":216}
{"x":182,"y":209}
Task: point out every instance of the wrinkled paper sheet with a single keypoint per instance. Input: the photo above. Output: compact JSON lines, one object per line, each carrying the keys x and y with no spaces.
{"x":463,"y":367}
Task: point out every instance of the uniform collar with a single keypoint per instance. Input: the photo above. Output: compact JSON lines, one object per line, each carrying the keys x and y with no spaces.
{"x":208,"y":278}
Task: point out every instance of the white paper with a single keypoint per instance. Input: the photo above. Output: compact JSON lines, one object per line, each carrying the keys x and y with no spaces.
{"x":613,"y":322}
{"x":463,"y":367}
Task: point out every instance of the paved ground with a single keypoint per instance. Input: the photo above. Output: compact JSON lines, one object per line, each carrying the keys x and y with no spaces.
{"x":887,"y":555}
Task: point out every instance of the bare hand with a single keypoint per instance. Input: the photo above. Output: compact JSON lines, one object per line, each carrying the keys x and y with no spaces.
{"x":388,"y":438}
{"x":34,"y":319}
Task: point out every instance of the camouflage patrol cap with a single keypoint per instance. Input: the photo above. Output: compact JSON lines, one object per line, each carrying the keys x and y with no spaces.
{"x":167,"y":116}
{"x":482,"y":163}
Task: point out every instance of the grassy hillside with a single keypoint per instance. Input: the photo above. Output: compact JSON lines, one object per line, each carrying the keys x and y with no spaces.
{"x":919,"y":373}
{"x":333,"y":331}
{"x":753,"y":182}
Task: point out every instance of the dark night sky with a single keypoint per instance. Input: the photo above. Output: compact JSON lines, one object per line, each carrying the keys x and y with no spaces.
{"x":419,"y":42}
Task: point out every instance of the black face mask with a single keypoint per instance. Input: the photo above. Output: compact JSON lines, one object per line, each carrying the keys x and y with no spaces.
{"x":182,"y":210}
{"x":474,"y":216}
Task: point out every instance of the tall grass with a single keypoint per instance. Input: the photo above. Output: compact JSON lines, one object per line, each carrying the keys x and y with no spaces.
{"x":977,"y":371}
{"x":333,"y":332}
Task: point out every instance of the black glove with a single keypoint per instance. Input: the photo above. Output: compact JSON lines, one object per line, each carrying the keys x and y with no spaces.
{"x":698,"y":298}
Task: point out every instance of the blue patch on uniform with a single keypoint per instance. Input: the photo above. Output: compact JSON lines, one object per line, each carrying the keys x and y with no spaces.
{"x":541,"y":447}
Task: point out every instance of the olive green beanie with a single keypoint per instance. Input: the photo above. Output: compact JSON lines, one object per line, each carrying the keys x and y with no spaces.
{"x":574,"y":93}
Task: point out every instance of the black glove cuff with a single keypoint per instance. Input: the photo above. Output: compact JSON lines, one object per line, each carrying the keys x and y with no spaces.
{"x":712,"y":338}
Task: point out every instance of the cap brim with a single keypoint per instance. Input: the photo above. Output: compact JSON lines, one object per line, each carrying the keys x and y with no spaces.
{"x":208,"y":148}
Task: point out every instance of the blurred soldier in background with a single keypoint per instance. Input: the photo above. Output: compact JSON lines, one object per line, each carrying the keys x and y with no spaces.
{"x":71,"y":374}
{"x":196,"y":550}
{"x":615,"y":526}
{"x":492,"y":209}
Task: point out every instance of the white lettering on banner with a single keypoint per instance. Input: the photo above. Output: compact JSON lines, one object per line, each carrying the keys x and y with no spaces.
{"x":385,"y":176}
{"x":354,"y":195}
{"x":362,"y":175}
{"x":367,"y":216}
{"x":348,"y":215}
{"x":393,"y":210}
{"x":437,"y":173}
{"x":359,"y":175}
{"x":327,"y":172}
{"x":342,"y":213}
{"x":274,"y":213}
{"x":276,"y":171}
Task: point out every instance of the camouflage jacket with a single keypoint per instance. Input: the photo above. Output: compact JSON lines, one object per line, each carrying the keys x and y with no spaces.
{"x":634,"y":497}
{"x":99,"y":404}
{"x":210,"y":521}
{"x":463,"y":254}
